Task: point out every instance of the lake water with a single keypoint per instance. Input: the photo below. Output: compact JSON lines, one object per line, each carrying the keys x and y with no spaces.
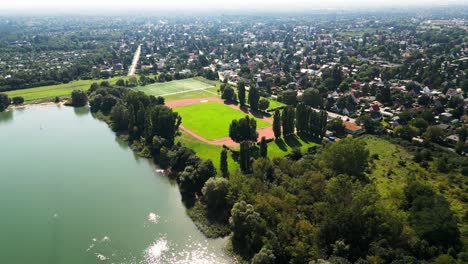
{"x":71,"y":192}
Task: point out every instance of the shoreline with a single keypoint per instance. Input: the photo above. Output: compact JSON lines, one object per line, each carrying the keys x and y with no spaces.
{"x":13,"y":107}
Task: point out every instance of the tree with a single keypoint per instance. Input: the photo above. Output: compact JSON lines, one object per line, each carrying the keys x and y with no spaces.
{"x":277,"y":124}
{"x":163,"y":122}
{"x":263,"y":104}
{"x":244,"y":129}
{"x":428,"y":116}
{"x":214,"y":192}
{"x":433,"y":134}
{"x":95,"y":103}
{"x":93,"y":87}
{"x":18,"y":100}
{"x":302,"y":118}
{"x":347,"y":156}
{"x":244,"y":156}
{"x":241,"y":92}
{"x":254,"y":97}
{"x":248,"y":228}
{"x":290,"y":97}
{"x":420,"y":124}
{"x":228,"y":94}
{"x":352,"y":214}
{"x":424,"y":100}
{"x":105,"y":84}
{"x":4,"y":102}
{"x":287,"y":120}
{"x":263,"y":148}
{"x":108,"y":101}
{"x":431,"y":217}
{"x":78,"y":98}
{"x":406,"y":131}
{"x":264,"y":256}
{"x":336,"y":126}
{"x":205,"y":170}
{"x":311,"y":97}
{"x":223,"y":163}
{"x":120,"y":82}
{"x":371,"y":126}
{"x":195,"y":174}
{"x":119,"y":117}
{"x":462,"y":133}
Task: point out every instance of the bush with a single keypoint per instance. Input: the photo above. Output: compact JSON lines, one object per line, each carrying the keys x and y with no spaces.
{"x":18,"y":100}
{"x":263,"y":104}
{"x":4,"y":102}
{"x":78,"y":98}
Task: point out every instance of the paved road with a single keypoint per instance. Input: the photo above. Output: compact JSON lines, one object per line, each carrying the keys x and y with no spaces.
{"x":132,"y":69}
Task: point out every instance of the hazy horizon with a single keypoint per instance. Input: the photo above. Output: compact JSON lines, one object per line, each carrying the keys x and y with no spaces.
{"x":203,"y":5}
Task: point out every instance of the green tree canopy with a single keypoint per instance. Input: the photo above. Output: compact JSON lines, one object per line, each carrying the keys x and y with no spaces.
{"x":347,"y":156}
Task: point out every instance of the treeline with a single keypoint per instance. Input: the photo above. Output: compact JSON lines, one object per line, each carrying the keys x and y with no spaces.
{"x":302,"y":119}
{"x":82,"y":69}
{"x":150,"y":128}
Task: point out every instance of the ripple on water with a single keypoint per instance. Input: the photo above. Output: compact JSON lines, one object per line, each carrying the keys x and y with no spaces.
{"x":153,"y":218}
{"x":162,"y":251}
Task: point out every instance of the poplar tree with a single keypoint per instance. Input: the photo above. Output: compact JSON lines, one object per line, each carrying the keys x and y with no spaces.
{"x":277,"y":124}
{"x":263,"y":148}
{"x":224,"y":164}
{"x":241,"y":93}
{"x":244,"y":156}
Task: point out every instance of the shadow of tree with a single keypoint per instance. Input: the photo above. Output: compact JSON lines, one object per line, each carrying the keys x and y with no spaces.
{"x":293,"y":142}
{"x":281,"y":144}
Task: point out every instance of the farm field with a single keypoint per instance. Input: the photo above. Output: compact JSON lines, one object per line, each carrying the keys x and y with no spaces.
{"x":211,"y":120}
{"x":48,"y":93}
{"x":174,"y":87}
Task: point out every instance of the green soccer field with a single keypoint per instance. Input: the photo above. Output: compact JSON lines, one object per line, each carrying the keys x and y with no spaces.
{"x":211,"y":120}
{"x":174,"y":87}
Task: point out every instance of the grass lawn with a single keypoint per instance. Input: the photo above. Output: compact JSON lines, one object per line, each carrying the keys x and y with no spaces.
{"x":179,"y":86}
{"x":274,"y":104}
{"x":210,"y":92}
{"x":48,"y":93}
{"x":207,"y":151}
{"x":211,"y":120}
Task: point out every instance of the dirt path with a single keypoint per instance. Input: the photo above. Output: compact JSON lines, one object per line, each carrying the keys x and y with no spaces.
{"x":266,"y":132}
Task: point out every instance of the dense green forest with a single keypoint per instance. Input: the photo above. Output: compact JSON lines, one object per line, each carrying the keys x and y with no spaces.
{"x":323,"y":205}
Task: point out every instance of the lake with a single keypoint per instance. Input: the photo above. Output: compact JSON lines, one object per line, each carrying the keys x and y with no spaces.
{"x":72,"y":192}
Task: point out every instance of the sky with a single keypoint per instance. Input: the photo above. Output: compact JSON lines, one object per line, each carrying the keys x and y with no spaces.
{"x":266,"y":5}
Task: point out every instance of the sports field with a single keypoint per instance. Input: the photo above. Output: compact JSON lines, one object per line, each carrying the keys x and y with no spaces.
{"x":174,"y":87}
{"x":211,"y":120}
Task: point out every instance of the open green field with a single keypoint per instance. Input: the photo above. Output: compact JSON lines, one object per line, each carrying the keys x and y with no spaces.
{"x":207,"y":151}
{"x":174,"y":87}
{"x":48,"y":93}
{"x":211,"y":120}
